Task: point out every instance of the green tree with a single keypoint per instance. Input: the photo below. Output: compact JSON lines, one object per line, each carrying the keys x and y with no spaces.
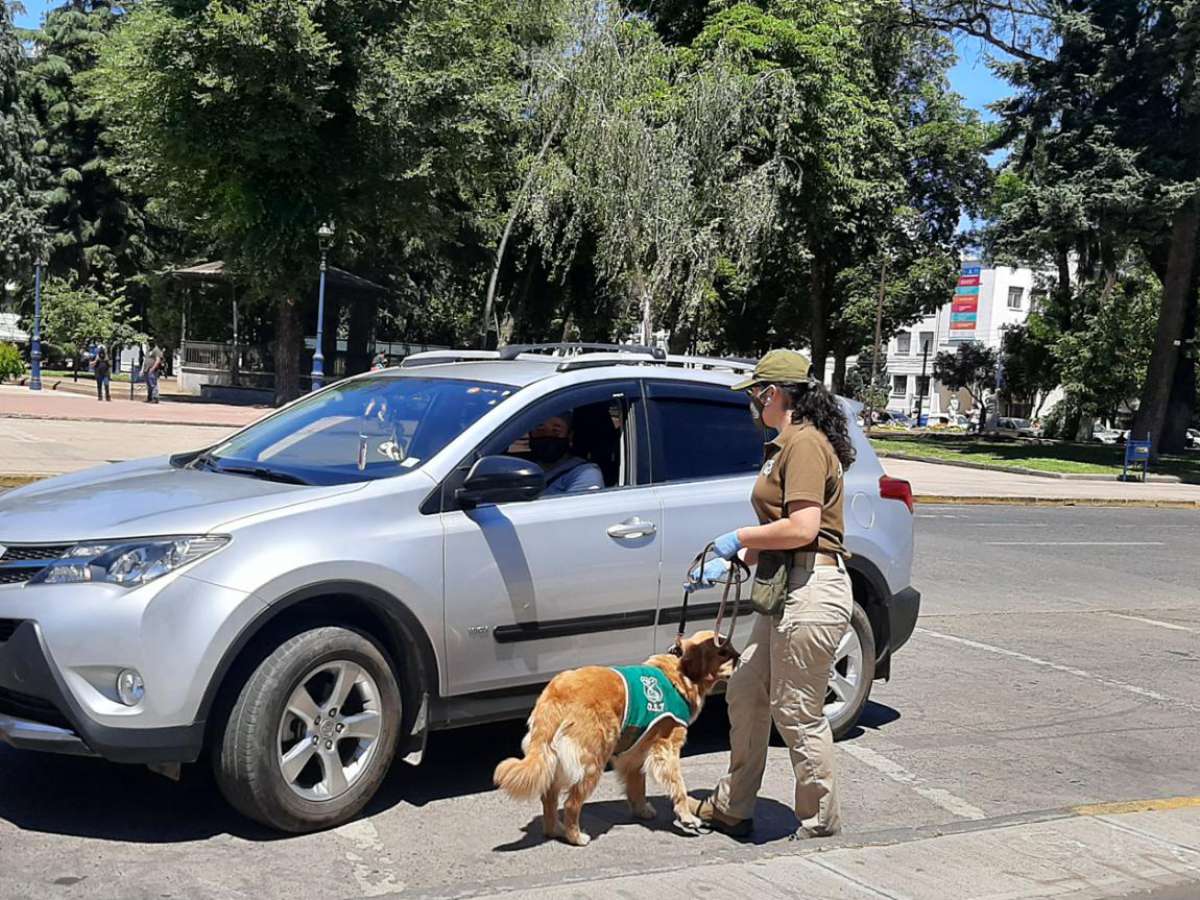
{"x":1105,"y":133}
{"x":648,"y":172}
{"x":20,"y":170}
{"x":1104,"y":360}
{"x":11,"y":365}
{"x":74,"y":317}
{"x":1031,"y":367}
{"x":98,"y":229}
{"x":886,"y":159}
{"x":859,"y":385}
{"x":971,"y":368}
{"x":257,"y":121}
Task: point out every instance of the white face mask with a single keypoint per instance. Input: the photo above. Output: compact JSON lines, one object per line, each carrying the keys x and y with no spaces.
{"x":757,"y":404}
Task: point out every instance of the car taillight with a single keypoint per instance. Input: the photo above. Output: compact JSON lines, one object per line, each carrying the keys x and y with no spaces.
{"x":896,"y":489}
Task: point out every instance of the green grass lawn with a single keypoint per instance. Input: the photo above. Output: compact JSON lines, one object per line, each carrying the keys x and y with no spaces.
{"x":1083,"y":459}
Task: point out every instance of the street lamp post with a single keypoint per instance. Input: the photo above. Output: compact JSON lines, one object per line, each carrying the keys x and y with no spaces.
{"x":325,"y":239}
{"x":35,"y":353}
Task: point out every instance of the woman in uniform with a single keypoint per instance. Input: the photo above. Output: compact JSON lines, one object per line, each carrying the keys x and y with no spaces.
{"x":785,"y":668}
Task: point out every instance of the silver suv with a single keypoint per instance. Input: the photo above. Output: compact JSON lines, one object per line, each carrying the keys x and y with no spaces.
{"x":311,"y":597}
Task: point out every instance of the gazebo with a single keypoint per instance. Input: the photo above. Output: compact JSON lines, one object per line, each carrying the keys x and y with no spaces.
{"x":248,"y":369}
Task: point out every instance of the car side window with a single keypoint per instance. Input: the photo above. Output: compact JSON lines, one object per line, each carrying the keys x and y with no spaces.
{"x":580,"y":436}
{"x":699,"y":432}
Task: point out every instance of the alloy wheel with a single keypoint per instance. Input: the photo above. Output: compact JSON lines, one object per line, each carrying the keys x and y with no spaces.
{"x":329,"y":730}
{"x":847,"y":675}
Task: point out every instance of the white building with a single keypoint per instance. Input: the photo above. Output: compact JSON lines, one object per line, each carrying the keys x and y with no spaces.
{"x":985,"y":302}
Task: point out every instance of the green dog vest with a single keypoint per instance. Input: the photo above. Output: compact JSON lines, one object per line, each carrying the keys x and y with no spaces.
{"x":649,"y":697}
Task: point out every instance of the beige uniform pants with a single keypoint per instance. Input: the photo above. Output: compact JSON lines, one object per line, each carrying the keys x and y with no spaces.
{"x":783,"y":676}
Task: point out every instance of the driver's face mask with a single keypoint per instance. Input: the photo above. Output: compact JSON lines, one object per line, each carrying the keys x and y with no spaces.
{"x":548,"y":449}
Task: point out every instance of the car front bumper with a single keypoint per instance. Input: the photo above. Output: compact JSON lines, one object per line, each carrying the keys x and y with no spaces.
{"x":63,"y":647}
{"x":37,"y":712}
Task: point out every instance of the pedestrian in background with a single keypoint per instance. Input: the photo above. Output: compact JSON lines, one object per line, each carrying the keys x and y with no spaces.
{"x":103,"y":372}
{"x":802,"y":594}
{"x":380,"y":361}
{"x":151,"y":369}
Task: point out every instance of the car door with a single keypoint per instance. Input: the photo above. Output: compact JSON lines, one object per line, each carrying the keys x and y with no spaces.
{"x":705,"y":453}
{"x":536,"y":587}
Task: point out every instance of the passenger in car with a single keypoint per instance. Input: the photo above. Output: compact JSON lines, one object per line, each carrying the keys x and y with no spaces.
{"x":550,"y":447}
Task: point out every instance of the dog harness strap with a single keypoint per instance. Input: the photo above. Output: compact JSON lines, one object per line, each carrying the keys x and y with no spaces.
{"x":649,"y":698}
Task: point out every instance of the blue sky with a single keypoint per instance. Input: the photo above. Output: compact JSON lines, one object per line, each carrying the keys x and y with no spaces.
{"x":972,"y":78}
{"x":34,"y":9}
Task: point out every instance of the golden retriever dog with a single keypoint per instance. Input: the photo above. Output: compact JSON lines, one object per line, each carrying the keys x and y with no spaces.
{"x":579,"y":724}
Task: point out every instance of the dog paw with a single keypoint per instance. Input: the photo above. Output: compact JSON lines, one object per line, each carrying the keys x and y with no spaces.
{"x":689,"y":822}
{"x":579,"y":839}
{"x":645,"y":811}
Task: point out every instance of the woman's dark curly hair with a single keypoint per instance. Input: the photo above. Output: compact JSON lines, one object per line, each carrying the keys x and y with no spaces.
{"x":813,"y":403}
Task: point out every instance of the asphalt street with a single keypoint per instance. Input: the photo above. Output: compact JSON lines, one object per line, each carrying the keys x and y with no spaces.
{"x":1056,"y":663}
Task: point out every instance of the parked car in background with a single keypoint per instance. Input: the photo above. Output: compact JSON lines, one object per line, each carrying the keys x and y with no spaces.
{"x":304,"y":601}
{"x":1006,"y":426}
{"x":947,"y":420}
{"x":1106,"y":435}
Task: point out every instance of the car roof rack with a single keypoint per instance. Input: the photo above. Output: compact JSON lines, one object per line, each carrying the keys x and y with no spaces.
{"x":729,"y":364}
{"x":574,"y":348}
{"x":436,"y":357}
{"x":595,"y":360}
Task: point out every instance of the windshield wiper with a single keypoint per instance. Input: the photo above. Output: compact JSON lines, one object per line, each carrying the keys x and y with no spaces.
{"x":262,"y":472}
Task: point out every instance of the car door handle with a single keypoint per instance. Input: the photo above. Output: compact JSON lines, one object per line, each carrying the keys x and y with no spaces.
{"x":631,"y":529}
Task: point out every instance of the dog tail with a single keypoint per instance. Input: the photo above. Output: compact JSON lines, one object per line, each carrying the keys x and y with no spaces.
{"x":533,"y":776}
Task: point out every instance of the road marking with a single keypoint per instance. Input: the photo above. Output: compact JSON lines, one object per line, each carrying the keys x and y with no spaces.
{"x":1157,"y":622}
{"x":897,"y":773}
{"x":1132,"y":806}
{"x":1057,"y":667}
{"x":1007,"y":524}
{"x":1075,"y":544}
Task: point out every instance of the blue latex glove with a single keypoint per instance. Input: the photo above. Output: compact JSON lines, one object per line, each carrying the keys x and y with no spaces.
{"x":727,"y":545}
{"x":714,"y":570}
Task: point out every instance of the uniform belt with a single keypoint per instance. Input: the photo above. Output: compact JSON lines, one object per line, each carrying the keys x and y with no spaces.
{"x":800,"y":558}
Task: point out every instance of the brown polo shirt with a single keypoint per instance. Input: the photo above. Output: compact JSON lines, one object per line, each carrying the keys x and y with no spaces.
{"x":800,"y":466}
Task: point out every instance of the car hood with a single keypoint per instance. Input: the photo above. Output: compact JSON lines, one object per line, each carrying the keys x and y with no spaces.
{"x":141,"y":498}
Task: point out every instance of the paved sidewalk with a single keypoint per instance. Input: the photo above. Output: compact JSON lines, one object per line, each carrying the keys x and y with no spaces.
{"x":1091,"y":853}
{"x":935,"y":483}
{"x":18,"y":402}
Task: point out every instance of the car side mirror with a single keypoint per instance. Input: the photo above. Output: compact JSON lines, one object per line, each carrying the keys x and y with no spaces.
{"x":501,"y":479}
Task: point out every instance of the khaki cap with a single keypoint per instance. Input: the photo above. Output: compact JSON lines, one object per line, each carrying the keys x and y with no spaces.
{"x":778,"y":367}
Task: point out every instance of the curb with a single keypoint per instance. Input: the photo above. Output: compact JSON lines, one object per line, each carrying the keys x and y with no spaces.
{"x":33,"y":417}
{"x":1131,"y":503}
{"x":1021,"y":470}
{"x":8,"y":482}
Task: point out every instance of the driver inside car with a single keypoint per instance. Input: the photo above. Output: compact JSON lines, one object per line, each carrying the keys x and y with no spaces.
{"x":550,"y":447}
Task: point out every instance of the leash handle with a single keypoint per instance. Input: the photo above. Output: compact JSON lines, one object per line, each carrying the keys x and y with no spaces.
{"x":739,"y":574}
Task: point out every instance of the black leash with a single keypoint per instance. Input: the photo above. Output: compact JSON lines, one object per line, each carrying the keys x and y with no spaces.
{"x":738,"y":574}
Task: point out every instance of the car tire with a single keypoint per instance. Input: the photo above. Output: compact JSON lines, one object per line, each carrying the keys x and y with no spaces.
{"x":853,"y":673}
{"x":289,"y":757}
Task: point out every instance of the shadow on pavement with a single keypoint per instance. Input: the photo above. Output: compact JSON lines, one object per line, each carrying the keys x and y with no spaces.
{"x":94,"y":799}
{"x":772,"y":822}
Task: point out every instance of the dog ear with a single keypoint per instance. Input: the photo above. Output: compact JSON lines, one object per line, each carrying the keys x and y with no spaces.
{"x":696,"y":661}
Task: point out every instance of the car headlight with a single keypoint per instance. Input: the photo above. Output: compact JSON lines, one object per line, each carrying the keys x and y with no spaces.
{"x":127,"y":563}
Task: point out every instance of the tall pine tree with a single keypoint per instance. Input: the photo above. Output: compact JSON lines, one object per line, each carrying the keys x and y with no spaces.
{"x":99,"y":230}
{"x":20,"y":215}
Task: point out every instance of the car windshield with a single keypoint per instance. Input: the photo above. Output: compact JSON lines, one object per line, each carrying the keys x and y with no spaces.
{"x":357,"y":430}
{"x":1020,"y":423}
